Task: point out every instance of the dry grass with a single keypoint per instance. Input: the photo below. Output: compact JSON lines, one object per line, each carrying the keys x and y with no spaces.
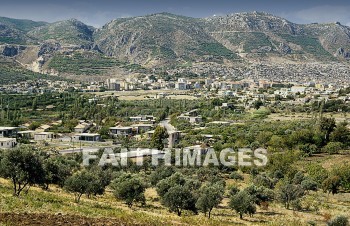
{"x":107,"y":208}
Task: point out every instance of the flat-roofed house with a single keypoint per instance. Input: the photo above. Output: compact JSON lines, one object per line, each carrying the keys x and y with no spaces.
{"x":8,"y":131}
{"x":143,"y":118}
{"x":82,"y":127}
{"x":193,"y":120}
{"x":44,"y":136}
{"x":87,"y":137}
{"x":121,"y":131}
{"x":141,"y":128}
{"x":28,"y":134}
{"x":6,"y":143}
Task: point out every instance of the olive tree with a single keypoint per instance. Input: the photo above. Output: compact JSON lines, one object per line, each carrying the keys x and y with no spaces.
{"x":243,"y":203}
{"x":210,"y":196}
{"x":179,"y":198}
{"x":57,"y":170}
{"x":85,"y":182}
{"x":289,"y":192}
{"x":130,"y":189}
{"x":23,"y":166}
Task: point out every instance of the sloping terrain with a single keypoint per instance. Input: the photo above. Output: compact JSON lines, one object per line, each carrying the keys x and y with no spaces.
{"x":66,"y":32}
{"x":13,"y":31}
{"x":159,"y":38}
{"x":262,"y":35}
{"x":12,"y":73}
{"x":168,"y":40}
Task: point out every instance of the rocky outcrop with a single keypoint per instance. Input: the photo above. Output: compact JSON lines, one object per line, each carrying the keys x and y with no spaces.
{"x":11,"y":50}
{"x":67,"y":32}
{"x":255,"y":21}
{"x":170,"y":40}
{"x":284,"y":48}
{"x":158,"y":39}
{"x":342,"y":53}
{"x":48,"y":48}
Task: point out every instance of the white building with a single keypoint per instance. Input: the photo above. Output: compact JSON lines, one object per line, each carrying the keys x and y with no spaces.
{"x":6,"y":143}
{"x":87,"y":137}
{"x":8,"y":131}
{"x":44,"y":136}
{"x":298,"y":89}
{"x":121,"y":131}
{"x":82,"y":127}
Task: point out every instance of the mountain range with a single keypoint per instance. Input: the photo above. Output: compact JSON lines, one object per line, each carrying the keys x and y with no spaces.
{"x":168,"y":40}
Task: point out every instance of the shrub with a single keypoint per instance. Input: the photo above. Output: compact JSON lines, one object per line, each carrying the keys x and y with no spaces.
{"x":243,"y":203}
{"x":130,"y":189}
{"x":339,"y":221}
{"x":236,"y":176}
{"x":210,"y":197}
{"x":179,"y":198}
{"x":332,"y":148}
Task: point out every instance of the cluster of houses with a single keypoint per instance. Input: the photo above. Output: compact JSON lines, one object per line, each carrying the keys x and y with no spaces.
{"x":192,"y":116}
{"x":7,"y":139}
{"x":143,"y":124}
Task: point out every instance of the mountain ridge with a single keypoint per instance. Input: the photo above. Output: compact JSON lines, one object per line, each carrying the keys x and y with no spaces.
{"x":165,"y":39}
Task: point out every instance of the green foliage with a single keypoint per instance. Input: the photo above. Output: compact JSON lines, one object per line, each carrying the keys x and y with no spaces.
{"x":169,"y":187}
{"x":260,"y":194}
{"x":331,"y":184}
{"x":87,"y":63}
{"x":327,"y":126}
{"x":129,"y":188}
{"x":217,"y":50}
{"x":283,"y":161}
{"x":333,"y":148}
{"x":341,"y":134}
{"x":85,"y":182}
{"x":343,"y":172}
{"x":23,"y":166}
{"x":11,"y":73}
{"x":288,"y":193}
{"x":338,"y":221}
{"x":298,"y":177}
{"x":251,"y":41}
{"x":164,"y":185}
{"x":22,"y":25}
{"x":158,"y":138}
{"x":164,"y":52}
{"x":243,"y":203}
{"x":257,"y":104}
{"x":236,"y":176}
{"x":34,"y":125}
{"x":210,"y":196}
{"x":67,"y":32}
{"x":57,"y":170}
{"x":309,"y":185}
{"x":309,"y":44}
{"x":233,"y":190}
{"x":161,"y":173}
{"x":264,"y":181}
{"x":179,"y":198}
{"x":317,"y":173}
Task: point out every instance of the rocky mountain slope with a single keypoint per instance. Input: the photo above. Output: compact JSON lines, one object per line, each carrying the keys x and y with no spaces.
{"x":165,"y":39}
{"x":14,"y":31}
{"x":159,"y":38}
{"x":68,"y":32}
{"x":262,"y":35}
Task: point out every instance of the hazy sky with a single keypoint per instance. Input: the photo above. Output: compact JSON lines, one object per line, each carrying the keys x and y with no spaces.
{"x":99,"y":12}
